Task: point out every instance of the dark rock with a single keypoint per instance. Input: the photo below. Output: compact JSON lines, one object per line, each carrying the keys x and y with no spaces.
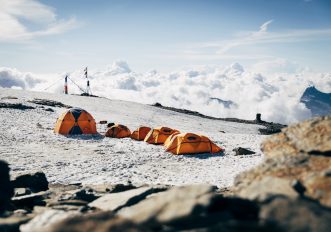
{"x":85,"y":194}
{"x":9,"y":98}
{"x":6,"y":189}
{"x":299,"y":187}
{"x":243,"y":151}
{"x":121,"y":188}
{"x":49,"y":109}
{"x":36,"y":182}
{"x":46,"y":102}
{"x":157,"y":104}
{"x":17,"y":106}
{"x":296,"y":215}
{"x":98,"y":222}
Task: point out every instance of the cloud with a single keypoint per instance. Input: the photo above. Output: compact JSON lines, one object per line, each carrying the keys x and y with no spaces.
{"x":16,"y":15}
{"x":12,"y":78}
{"x":264,"y":26}
{"x":222,"y":49}
{"x":275,"y":93}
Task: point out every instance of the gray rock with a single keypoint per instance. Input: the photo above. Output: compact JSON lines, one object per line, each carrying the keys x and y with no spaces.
{"x":176,"y":203}
{"x":311,"y":137}
{"x":190,"y":208}
{"x":296,"y":215}
{"x":97,"y":222}
{"x":36,"y":182}
{"x":116,"y":201}
{"x":21,"y":191}
{"x":46,"y":220}
{"x":6,"y":189}
{"x":31,"y":200}
{"x":268,"y":185}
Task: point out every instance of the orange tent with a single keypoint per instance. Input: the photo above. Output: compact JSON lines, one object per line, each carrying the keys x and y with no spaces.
{"x":75,"y":121}
{"x":189,"y":143}
{"x":170,"y":138}
{"x":140,"y":133}
{"x":159,"y":135}
{"x":118,"y":131}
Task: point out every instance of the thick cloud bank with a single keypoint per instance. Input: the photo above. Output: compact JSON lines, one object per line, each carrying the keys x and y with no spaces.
{"x":232,"y":91}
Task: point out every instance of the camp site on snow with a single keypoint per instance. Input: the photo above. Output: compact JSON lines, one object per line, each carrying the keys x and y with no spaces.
{"x":77,"y":121}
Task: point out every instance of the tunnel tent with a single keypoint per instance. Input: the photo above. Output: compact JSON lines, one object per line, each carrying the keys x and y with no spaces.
{"x":75,"y":121}
{"x":118,"y":131}
{"x":140,"y":133}
{"x":159,"y":135}
{"x":189,"y":143}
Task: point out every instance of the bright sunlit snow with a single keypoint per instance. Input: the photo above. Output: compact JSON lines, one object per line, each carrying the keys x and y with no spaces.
{"x":29,"y":144}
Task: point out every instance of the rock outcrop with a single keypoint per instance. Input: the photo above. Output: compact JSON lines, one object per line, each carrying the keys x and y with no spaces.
{"x":300,"y":155}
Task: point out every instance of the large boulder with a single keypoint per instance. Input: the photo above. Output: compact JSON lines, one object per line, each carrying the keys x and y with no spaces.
{"x":309,"y":137}
{"x":6,"y":189}
{"x":301,"y":154}
{"x":189,"y":207}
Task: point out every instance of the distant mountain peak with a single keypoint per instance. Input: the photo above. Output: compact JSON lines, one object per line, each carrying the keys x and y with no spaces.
{"x":318,"y":102}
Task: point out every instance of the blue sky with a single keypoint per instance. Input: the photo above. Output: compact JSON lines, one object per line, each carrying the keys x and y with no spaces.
{"x":64,"y":35}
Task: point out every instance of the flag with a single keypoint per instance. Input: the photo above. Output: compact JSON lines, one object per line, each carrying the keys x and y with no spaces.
{"x":85,"y":72}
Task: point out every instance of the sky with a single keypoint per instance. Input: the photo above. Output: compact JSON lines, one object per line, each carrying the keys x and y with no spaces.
{"x":47,"y":36}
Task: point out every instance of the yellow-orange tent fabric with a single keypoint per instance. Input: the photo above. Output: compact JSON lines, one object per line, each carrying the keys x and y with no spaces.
{"x":189,"y":143}
{"x":118,"y":131}
{"x":159,"y":135}
{"x":75,"y":121}
{"x":169,"y":139}
{"x":140,"y":133}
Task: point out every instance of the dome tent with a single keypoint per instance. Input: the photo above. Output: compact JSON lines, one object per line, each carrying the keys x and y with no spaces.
{"x":189,"y":143}
{"x":75,"y":121}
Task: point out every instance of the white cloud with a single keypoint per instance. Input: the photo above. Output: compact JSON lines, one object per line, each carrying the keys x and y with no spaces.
{"x":275,"y":94}
{"x":222,"y":49}
{"x":15,"y":14}
{"x":264,"y":26}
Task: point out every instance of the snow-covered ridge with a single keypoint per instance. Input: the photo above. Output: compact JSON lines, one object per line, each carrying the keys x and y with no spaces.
{"x":274,"y":94}
{"x":29,"y":144}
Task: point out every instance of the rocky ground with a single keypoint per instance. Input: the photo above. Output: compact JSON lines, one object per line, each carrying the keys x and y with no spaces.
{"x":289,"y":191}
